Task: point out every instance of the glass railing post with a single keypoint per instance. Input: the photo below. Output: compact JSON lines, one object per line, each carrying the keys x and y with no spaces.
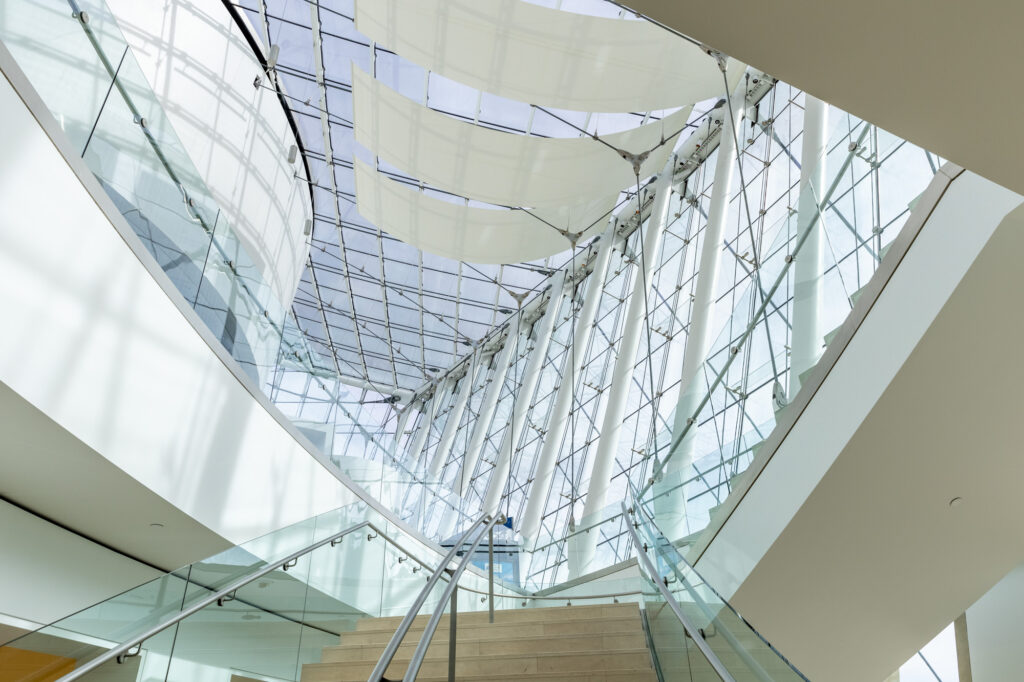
{"x":106,"y":98}
{"x":453,"y":631}
{"x":490,"y":574}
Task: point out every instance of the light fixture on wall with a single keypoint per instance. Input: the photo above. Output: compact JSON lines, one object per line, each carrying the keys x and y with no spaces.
{"x":272,"y":55}
{"x":293,"y":153}
{"x":307,"y":228}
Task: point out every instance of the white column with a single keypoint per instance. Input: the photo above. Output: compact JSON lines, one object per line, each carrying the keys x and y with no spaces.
{"x":419,"y":439}
{"x":671,"y":507}
{"x":622,"y":373}
{"x":700,"y":335}
{"x":403,"y":419}
{"x":558,"y":418}
{"x":451,"y":426}
{"x":483,"y":420}
{"x":809,"y":265}
{"x":542,"y":336}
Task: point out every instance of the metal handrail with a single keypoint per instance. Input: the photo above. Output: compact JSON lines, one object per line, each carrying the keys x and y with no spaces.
{"x":122,"y":649}
{"x":377,"y":675}
{"x":428,"y":632}
{"x":691,"y":629}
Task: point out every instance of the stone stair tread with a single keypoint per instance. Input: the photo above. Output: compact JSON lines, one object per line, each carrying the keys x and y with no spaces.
{"x":516,"y":615}
{"x":625,"y":675}
{"x":513,"y":664}
{"x":500,"y":630}
{"x":561,"y":614}
{"x":532,"y":654}
{"x":599,"y":642}
{"x":572,"y":643}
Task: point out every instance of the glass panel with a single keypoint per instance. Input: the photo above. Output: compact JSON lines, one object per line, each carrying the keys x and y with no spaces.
{"x":122,"y":156}
{"x":128,"y":142}
{"x":675,"y":655}
{"x":60,"y":58}
{"x":741,"y":650}
{"x":235,"y":304}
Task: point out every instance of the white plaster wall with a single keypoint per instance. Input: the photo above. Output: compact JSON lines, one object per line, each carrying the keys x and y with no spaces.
{"x":92,"y":340}
{"x":48,"y":572}
{"x":202,"y":70}
{"x":995,"y":631}
{"x":934,"y":265}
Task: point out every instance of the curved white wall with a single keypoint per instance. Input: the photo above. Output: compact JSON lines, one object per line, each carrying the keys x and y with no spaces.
{"x":202,"y":70}
{"x":97,"y":338}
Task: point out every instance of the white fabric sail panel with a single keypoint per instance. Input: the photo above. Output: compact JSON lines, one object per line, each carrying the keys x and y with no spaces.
{"x":544,"y":56}
{"x":466,"y":233}
{"x":505,"y":168}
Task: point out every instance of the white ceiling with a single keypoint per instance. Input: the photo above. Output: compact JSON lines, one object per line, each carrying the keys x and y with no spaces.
{"x":48,"y":471}
{"x":941,"y":74}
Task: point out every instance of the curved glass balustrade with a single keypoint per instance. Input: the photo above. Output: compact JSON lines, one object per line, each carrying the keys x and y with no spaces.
{"x":77,"y":59}
{"x":739,"y":650}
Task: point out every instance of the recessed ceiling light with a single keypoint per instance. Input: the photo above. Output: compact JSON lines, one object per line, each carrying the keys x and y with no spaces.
{"x":956,"y":501}
{"x":156,"y":525}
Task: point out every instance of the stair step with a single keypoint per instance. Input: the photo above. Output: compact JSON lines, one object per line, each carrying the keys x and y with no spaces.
{"x":831,"y":336}
{"x":476,"y":647}
{"x":637,"y":675}
{"x":855,"y":296}
{"x":497,"y":630}
{"x":531,"y":615}
{"x":885,"y":249}
{"x":510,"y":665}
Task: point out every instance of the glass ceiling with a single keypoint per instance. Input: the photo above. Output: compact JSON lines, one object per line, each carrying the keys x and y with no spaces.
{"x":387,"y":312}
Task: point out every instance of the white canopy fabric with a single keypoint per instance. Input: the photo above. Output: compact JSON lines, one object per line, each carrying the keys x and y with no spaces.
{"x":504,"y":168}
{"x":547,"y":57}
{"x":466,"y":233}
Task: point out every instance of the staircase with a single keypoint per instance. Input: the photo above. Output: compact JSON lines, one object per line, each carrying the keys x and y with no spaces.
{"x":599,"y":643}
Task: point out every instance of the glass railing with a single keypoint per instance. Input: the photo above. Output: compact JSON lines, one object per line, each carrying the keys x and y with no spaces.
{"x":78,"y":61}
{"x":275,"y":605}
{"x":688,"y":620}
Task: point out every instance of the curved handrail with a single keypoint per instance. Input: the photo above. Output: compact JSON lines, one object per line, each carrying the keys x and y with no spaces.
{"x":691,"y":629}
{"x":701,"y":603}
{"x":120,"y":650}
{"x":428,"y":632}
{"x":377,"y":675}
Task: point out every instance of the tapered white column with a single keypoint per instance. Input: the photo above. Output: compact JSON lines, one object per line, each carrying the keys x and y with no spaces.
{"x":524,"y":398}
{"x":671,"y":505}
{"x":403,"y":419}
{"x":558,"y":418}
{"x":483,"y":420}
{"x":622,"y":373}
{"x":451,"y":426}
{"x":419,"y":439}
{"x":809,"y":266}
{"x":700,"y":335}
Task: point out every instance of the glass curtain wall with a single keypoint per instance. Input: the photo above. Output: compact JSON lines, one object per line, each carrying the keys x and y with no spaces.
{"x":877,"y":180}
